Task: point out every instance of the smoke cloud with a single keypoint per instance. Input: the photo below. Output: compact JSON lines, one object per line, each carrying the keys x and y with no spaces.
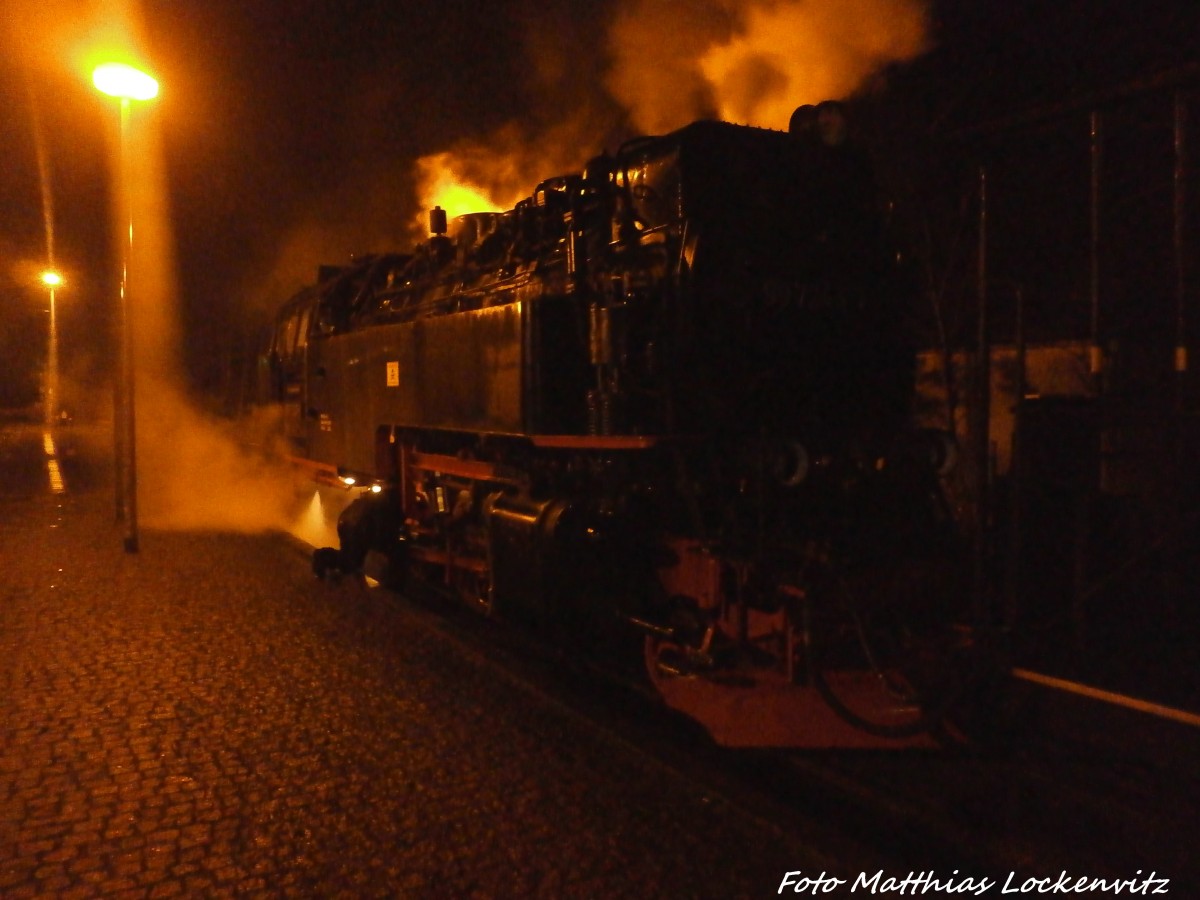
{"x":656,"y":48}
{"x":753,"y":61}
{"x":496,"y":172}
{"x":194,"y":470}
{"x":671,"y":62}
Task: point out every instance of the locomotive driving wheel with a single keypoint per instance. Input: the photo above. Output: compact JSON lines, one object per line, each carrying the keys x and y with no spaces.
{"x":882,"y":653}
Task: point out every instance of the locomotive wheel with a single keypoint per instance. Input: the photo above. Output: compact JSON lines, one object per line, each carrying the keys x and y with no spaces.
{"x":473,"y":588}
{"x":665,"y":661}
{"x":904,"y":656}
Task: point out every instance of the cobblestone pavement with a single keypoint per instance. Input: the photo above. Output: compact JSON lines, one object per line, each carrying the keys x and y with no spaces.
{"x":206,"y":719}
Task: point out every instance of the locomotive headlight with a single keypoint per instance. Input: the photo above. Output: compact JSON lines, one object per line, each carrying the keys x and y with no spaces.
{"x":348,"y":477}
{"x":791,"y":463}
{"x":377,"y":489}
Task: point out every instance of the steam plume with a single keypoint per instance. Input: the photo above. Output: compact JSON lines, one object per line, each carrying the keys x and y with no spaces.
{"x":753,"y":61}
{"x":507,"y":165}
{"x":749,"y":61}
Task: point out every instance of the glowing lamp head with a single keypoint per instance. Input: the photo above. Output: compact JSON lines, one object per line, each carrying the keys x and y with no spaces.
{"x":126,"y":82}
{"x":51,"y":279}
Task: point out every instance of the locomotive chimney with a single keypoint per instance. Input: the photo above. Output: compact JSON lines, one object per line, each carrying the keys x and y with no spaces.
{"x":437,"y":221}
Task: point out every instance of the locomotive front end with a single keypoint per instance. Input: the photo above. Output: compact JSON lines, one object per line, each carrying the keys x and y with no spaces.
{"x":808,"y":543}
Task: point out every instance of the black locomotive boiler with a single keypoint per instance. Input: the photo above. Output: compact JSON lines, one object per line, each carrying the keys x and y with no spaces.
{"x":663,"y":399}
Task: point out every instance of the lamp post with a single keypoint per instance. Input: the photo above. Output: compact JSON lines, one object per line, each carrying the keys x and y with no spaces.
{"x":127,"y":84}
{"x":52,"y":280}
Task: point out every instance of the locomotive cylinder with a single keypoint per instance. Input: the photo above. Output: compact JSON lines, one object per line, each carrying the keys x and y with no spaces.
{"x":524,"y":553}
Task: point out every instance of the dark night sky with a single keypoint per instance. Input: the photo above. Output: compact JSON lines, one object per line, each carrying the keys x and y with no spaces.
{"x":290,"y":129}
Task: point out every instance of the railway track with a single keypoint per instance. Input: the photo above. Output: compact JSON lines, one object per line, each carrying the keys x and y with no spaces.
{"x":1037,"y":806}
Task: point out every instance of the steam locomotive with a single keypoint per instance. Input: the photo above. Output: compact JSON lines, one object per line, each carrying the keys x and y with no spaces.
{"x":662,"y":402}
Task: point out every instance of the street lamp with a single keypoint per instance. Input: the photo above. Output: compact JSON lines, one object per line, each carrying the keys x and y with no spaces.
{"x":127,"y":84}
{"x":52,"y":280}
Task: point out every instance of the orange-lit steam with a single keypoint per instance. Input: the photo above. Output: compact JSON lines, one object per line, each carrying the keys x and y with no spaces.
{"x":805,"y":52}
{"x":196,"y":472}
{"x":448,"y":180}
{"x":655,"y":47}
{"x":497,"y":172}
{"x":191,"y":472}
{"x":440,"y":184}
{"x":753,"y":61}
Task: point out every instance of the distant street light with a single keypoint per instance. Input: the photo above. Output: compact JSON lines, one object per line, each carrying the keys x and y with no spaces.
{"x":52,"y":280}
{"x":127,"y":84}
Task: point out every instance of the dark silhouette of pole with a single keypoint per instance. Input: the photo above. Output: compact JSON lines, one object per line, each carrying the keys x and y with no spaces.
{"x":1180,"y":235}
{"x":983,"y":411}
{"x":127,"y":84}
{"x":127,"y":421}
